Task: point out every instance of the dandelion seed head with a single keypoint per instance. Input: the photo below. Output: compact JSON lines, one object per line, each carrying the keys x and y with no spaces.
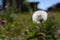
{"x":39,"y":15}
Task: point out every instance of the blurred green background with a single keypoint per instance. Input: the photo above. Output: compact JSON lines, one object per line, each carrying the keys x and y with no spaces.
{"x":16,"y":23}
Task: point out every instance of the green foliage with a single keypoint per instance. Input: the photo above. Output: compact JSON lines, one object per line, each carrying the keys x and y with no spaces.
{"x":14,"y":30}
{"x":25,"y":6}
{"x":15,"y":27}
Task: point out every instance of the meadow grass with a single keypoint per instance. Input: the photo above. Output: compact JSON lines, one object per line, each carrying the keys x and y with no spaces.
{"x":15,"y":30}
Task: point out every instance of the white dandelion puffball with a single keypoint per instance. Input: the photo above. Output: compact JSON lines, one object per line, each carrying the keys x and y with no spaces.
{"x":39,"y":15}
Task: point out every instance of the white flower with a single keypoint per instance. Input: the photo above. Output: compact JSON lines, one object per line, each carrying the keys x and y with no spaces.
{"x":38,"y":16}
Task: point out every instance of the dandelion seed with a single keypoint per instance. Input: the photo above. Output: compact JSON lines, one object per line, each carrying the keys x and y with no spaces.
{"x":39,"y":16}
